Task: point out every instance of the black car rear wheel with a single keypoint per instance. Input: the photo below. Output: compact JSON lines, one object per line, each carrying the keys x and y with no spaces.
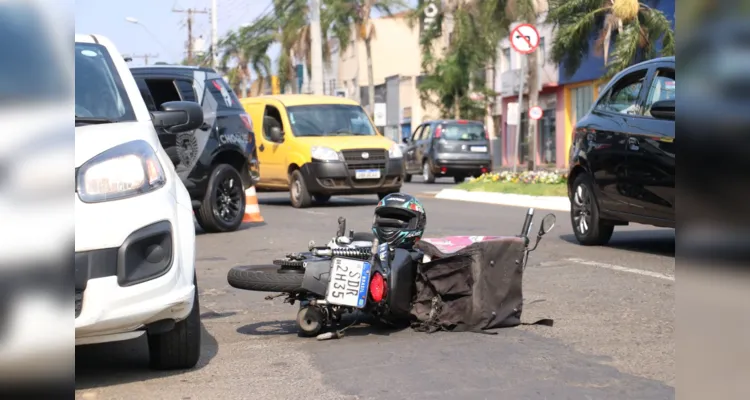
{"x":223,"y":206}
{"x":588,"y":227}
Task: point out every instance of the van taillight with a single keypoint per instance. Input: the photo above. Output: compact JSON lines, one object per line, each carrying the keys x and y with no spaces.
{"x":377,"y":287}
{"x":486,"y":135}
{"x":437,"y":131}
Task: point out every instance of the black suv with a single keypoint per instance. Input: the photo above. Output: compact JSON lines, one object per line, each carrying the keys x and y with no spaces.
{"x":623,"y":154}
{"x":457,"y":148}
{"x":217,"y":161}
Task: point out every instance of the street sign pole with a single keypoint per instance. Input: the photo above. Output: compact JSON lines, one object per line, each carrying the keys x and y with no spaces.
{"x":524,"y":39}
{"x":520,"y":110}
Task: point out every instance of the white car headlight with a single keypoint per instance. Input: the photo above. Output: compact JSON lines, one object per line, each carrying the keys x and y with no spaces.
{"x":324,"y":153}
{"x":395,"y":151}
{"x":128,"y":170}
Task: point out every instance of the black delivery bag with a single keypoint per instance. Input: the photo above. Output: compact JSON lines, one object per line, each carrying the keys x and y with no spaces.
{"x":470,"y":284}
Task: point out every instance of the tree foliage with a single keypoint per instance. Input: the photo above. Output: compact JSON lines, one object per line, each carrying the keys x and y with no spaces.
{"x":625,"y":32}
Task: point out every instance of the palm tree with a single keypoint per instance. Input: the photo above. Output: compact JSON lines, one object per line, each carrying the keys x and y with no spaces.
{"x":635,"y":28}
{"x":347,"y":17}
{"x":249,"y":46}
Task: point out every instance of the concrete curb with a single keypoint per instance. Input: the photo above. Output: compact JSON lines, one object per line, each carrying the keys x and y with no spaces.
{"x":555,"y":203}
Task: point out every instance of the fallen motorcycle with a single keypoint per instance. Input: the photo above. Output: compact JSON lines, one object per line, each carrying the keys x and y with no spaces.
{"x":352,"y":273}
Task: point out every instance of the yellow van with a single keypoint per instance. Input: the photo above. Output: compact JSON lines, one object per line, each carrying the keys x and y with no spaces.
{"x":316,"y":147}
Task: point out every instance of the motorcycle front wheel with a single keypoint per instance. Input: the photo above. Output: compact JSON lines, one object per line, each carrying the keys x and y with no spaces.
{"x":265,"y":278}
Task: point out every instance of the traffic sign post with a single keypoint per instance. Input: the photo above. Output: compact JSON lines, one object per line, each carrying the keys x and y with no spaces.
{"x":524,"y":39}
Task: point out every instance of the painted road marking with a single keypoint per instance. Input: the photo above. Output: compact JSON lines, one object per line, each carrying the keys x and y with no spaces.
{"x":622,"y":269}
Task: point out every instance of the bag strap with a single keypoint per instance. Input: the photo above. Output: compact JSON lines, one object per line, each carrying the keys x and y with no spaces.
{"x":543,"y":321}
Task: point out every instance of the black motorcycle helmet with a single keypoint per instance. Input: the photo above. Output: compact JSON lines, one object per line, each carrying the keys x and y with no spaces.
{"x":399,"y":220}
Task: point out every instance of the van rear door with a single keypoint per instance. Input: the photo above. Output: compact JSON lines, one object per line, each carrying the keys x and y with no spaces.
{"x":463,"y":137}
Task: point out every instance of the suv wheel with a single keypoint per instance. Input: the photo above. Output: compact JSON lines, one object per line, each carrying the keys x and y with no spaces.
{"x":298,"y":193}
{"x":223,"y":206}
{"x":427,"y":174}
{"x":589,"y":229}
{"x":179,"y":348}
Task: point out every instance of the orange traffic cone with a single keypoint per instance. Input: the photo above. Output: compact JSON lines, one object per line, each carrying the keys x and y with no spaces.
{"x":252,"y":210}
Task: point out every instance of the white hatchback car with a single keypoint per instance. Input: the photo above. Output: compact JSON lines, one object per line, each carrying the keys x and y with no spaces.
{"x":134,"y":232}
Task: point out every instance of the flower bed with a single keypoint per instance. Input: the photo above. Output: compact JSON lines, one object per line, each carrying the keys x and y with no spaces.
{"x":535,"y":183}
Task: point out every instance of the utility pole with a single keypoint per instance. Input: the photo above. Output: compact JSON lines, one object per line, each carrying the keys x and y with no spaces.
{"x":214,"y":35}
{"x":316,"y":43}
{"x":190,"y":12}
{"x":145,"y":57}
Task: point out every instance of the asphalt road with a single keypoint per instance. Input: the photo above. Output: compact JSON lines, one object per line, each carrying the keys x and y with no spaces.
{"x":614,"y":311}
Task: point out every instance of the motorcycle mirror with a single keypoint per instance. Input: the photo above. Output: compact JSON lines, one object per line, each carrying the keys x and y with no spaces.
{"x":548,"y":222}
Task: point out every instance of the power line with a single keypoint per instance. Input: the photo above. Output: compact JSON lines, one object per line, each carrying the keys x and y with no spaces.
{"x":145,"y":57}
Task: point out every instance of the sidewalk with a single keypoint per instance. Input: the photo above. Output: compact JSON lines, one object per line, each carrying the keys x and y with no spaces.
{"x":517,"y":200}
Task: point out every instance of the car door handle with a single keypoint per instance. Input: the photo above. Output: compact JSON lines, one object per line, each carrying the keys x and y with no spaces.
{"x":261,"y":148}
{"x":633,"y":144}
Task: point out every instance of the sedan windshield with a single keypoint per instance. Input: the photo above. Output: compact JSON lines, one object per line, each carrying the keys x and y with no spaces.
{"x":100,"y":94}
{"x":330,"y":120}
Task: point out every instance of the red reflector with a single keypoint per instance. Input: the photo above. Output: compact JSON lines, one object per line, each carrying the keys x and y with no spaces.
{"x":377,"y":287}
{"x":247,"y":121}
{"x":443,"y":169}
{"x":484,"y":170}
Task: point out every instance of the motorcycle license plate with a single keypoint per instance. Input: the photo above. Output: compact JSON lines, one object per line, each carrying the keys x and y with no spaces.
{"x":349,"y":282}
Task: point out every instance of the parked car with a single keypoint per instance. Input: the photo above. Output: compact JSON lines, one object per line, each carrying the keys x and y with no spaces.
{"x":452,"y":148}
{"x":216,"y":162}
{"x":316,"y":147}
{"x":622,"y":166}
{"x":134,"y":231}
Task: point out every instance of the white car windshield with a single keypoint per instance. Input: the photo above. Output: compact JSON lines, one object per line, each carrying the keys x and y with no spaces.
{"x":330,"y":120}
{"x":100,"y":95}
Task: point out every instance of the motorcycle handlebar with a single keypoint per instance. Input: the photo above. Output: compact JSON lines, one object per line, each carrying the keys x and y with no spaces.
{"x":527,"y":223}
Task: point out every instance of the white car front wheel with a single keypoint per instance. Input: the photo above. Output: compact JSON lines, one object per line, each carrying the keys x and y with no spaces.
{"x":179,"y":348}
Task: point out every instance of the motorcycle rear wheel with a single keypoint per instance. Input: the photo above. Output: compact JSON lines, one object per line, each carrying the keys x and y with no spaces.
{"x":265,"y":278}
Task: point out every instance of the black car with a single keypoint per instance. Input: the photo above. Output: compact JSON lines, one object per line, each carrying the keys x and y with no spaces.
{"x":217,"y":161}
{"x":454,"y":148}
{"x":623,"y":154}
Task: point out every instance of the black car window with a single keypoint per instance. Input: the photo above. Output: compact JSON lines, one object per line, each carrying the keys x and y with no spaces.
{"x":623,"y":96}
{"x":426,"y":133}
{"x":662,"y":88}
{"x":162,"y":91}
{"x":185,"y":86}
{"x":417,"y":132}
{"x":223,"y":94}
{"x":462,"y":131}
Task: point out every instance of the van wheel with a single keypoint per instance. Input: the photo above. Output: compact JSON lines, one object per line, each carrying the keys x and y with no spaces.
{"x":588,"y":227}
{"x":298,"y":193}
{"x":427,"y":174}
{"x":223,"y":205}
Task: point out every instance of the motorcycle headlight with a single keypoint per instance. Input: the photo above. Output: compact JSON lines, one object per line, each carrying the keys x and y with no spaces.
{"x":395,"y":151}
{"x":128,"y":170}
{"x":324,"y":153}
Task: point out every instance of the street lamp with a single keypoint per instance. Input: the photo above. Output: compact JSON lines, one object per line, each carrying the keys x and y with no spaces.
{"x":156,"y":39}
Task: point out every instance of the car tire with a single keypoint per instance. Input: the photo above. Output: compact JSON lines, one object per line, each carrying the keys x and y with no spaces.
{"x":179,"y":348}
{"x":298,"y":193}
{"x":321,"y":198}
{"x":407,"y":178}
{"x":588,"y":227}
{"x":427,"y":174}
{"x":224,"y":194}
{"x":265,"y":278}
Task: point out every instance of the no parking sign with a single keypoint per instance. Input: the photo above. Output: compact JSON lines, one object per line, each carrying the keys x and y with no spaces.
{"x":535,"y":112}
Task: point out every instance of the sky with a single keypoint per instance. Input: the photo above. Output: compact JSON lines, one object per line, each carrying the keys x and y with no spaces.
{"x":161,"y":31}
